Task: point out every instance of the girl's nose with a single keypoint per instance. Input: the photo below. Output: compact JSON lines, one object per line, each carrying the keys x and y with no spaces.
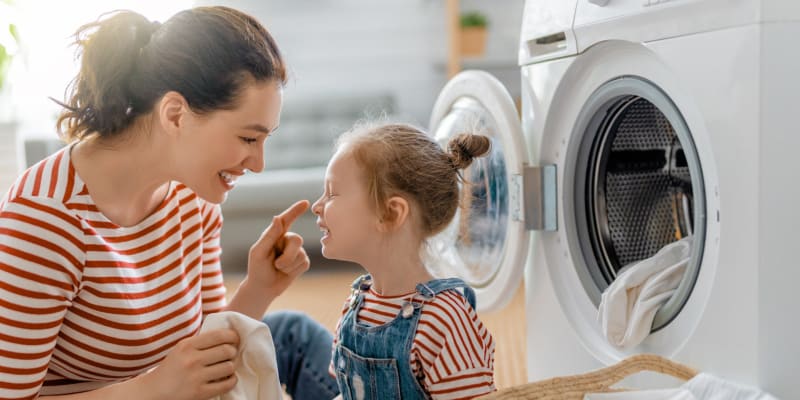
{"x":316,"y":208}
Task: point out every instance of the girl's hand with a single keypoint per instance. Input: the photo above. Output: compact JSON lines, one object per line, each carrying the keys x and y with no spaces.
{"x":199,"y":367}
{"x":277,"y":257}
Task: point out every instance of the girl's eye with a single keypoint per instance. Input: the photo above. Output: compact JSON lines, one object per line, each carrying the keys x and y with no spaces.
{"x":248,"y":140}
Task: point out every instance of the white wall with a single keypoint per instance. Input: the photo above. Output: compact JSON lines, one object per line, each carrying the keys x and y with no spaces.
{"x":333,"y":48}
{"x":10,"y":162}
{"x":45,"y":64}
{"x":370,"y":46}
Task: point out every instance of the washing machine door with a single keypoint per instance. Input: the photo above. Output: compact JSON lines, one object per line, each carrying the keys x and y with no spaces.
{"x":487,"y":242}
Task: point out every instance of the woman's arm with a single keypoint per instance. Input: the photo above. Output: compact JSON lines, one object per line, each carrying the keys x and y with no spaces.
{"x":200,"y":367}
{"x":127,"y":390}
{"x":274,"y":261}
{"x":41,"y":267}
{"x":42,"y":251}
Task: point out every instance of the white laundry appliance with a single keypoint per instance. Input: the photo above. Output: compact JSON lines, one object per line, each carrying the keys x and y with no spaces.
{"x":642,"y":121}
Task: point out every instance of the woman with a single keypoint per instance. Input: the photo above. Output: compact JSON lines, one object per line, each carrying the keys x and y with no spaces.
{"x":109,"y":249}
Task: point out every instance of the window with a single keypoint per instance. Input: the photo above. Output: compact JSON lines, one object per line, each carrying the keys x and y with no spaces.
{"x":48,"y":59}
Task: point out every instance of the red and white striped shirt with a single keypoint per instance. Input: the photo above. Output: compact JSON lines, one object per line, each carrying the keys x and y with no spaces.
{"x":453,"y":352}
{"x":84,"y":302}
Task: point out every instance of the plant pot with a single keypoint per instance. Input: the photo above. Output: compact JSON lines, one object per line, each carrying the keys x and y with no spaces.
{"x":473,"y":41}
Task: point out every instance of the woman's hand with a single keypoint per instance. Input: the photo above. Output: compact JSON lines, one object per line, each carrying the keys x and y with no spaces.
{"x":278,"y":257}
{"x":199,"y":367}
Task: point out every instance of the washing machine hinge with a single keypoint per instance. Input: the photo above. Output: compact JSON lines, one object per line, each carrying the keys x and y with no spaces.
{"x":533,"y":197}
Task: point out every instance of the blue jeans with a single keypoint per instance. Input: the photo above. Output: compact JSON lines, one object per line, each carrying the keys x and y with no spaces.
{"x":303,"y":350}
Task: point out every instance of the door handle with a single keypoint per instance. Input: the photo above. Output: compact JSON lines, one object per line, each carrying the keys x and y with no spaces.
{"x":533,"y":198}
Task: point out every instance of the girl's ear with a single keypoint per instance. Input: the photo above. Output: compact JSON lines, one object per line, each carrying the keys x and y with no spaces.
{"x":172,"y":110}
{"x":397,"y":213}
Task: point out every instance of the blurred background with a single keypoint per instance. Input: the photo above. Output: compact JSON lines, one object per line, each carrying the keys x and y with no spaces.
{"x":348,"y":60}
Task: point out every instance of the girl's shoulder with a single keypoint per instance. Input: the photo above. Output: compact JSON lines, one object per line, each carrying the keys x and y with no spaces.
{"x":453,"y":303}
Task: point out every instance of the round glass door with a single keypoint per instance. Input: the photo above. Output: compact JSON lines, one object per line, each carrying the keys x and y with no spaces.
{"x":473,"y":242}
{"x":636,"y":183}
{"x":484,"y":244}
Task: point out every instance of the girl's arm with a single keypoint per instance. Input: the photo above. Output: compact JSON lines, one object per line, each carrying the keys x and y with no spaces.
{"x":466,"y":343}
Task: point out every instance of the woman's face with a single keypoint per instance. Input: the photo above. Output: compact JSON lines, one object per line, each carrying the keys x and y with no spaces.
{"x":219,"y":147}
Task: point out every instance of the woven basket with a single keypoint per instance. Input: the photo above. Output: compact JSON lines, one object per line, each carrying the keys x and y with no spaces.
{"x":574,"y":387}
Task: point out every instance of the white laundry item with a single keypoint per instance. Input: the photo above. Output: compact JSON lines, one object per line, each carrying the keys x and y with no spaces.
{"x":653,"y":394}
{"x":629,"y":304}
{"x":256,"y":365}
{"x":705,"y":386}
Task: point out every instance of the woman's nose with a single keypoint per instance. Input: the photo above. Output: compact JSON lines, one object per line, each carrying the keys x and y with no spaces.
{"x":255,"y":160}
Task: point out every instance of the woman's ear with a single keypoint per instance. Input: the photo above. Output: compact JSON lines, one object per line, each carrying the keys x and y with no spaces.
{"x":397,"y":213}
{"x":172,"y":111}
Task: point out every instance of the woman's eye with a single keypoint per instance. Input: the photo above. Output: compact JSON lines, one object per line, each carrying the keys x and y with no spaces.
{"x":248,"y":140}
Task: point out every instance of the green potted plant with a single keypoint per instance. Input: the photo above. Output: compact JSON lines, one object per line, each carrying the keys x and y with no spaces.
{"x":9,"y":39}
{"x":473,"y":33}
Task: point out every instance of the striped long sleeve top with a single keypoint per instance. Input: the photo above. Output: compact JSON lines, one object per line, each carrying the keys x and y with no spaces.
{"x":84,"y":302}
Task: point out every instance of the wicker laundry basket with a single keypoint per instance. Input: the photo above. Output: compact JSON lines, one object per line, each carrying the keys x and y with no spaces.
{"x":574,"y":387}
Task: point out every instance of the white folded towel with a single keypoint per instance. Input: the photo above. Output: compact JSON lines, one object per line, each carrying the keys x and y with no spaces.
{"x":652,"y":394}
{"x":629,"y":304}
{"x":704,"y":386}
{"x":256,"y":366}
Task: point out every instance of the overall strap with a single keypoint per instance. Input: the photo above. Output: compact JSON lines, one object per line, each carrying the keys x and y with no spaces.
{"x":357,"y":289}
{"x":363,"y":282}
{"x":431,"y":288}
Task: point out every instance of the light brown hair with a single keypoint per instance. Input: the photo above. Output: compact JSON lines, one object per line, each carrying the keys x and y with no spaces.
{"x":402,"y":160}
{"x":207,"y":54}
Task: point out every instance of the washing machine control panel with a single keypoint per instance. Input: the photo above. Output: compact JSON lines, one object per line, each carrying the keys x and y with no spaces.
{"x":642,"y":21}
{"x":547,"y":30}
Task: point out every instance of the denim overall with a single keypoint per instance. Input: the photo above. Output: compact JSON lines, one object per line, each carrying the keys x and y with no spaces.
{"x":373,"y":362}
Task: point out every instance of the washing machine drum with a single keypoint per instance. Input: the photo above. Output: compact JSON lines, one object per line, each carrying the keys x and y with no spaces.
{"x":638,"y":184}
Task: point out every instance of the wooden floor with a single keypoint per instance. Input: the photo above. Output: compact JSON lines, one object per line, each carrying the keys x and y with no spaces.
{"x":321,"y":291}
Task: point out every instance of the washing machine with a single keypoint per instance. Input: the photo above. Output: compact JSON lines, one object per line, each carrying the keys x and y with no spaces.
{"x":641,"y":122}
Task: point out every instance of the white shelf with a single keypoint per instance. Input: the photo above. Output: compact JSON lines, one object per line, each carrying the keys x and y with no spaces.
{"x":489,"y":64}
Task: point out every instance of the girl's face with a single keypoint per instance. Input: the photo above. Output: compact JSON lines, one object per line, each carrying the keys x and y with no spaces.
{"x":344,"y":212}
{"x":220,"y":146}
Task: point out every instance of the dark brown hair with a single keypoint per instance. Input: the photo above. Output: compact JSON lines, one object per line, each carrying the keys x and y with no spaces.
{"x":402,"y":160}
{"x":207,"y":54}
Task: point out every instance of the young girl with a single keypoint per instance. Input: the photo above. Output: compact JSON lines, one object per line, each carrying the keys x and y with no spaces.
{"x":403,"y":334}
